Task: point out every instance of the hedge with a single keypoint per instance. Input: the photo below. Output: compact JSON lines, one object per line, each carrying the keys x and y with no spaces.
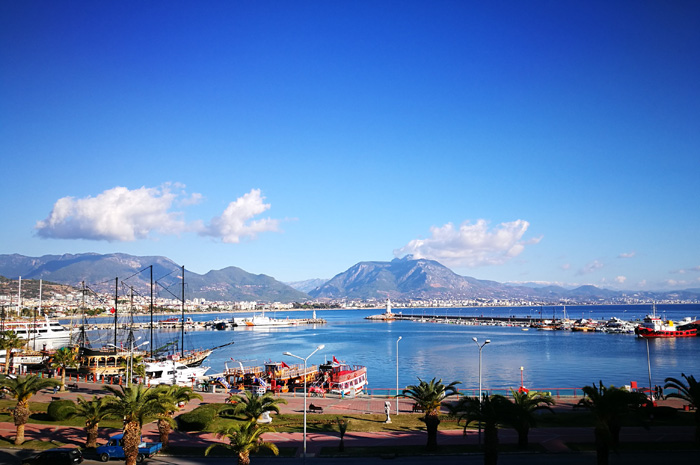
{"x":59,"y":410}
{"x":198,"y":419}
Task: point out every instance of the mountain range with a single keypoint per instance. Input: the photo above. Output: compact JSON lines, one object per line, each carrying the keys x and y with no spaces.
{"x":99,"y":272}
{"x":400,"y":279}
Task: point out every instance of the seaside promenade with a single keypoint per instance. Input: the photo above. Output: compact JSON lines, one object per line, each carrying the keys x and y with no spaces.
{"x":552,"y":440}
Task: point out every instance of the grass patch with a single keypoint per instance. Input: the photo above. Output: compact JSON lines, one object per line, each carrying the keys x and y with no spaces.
{"x":359,"y":423}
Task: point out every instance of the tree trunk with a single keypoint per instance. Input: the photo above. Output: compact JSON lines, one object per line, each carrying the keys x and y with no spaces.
{"x":132,"y":438}
{"x":490,"y":444}
{"x":164,"y":432}
{"x":602,"y":446}
{"x":341,"y":447}
{"x":523,"y":433}
{"x":19,"y":439}
{"x":21,"y":416}
{"x":243,"y":458}
{"x":91,"y":430}
{"x":431,"y":425}
{"x":63,"y":379}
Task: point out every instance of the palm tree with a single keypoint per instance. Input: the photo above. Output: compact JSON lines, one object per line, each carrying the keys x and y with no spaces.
{"x":171,"y":398}
{"x":690,"y":393}
{"x":94,"y":411}
{"x":23,"y":388}
{"x":62,"y":359}
{"x":609,"y":405}
{"x":522,"y":414}
{"x":9,"y":341}
{"x":428,"y":396}
{"x":342,"y":429}
{"x":252,"y":406}
{"x":134,"y":404}
{"x":491,"y":411}
{"x":245,"y":438}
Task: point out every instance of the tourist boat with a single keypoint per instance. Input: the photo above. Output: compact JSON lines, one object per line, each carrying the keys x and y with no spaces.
{"x":653,"y":326}
{"x":275,"y":376}
{"x":41,"y":333}
{"x":172,"y":372}
{"x":105,"y":362}
{"x":341,"y":378}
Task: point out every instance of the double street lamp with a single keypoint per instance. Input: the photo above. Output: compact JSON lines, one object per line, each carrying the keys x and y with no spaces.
{"x":305,"y":393}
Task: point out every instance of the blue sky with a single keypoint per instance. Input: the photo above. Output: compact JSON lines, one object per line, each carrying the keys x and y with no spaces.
{"x":516,"y":141}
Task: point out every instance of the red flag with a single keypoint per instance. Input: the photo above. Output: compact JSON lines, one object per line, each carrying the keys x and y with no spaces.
{"x":284,"y":365}
{"x":112,"y":310}
{"x":335,"y":360}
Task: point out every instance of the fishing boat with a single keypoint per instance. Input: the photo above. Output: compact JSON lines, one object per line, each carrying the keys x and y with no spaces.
{"x":340,"y":378}
{"x":653,"y":326}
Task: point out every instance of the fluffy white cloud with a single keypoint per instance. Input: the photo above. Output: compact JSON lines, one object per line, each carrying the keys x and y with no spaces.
{"x":236,"y":222}
{"x":470,"y":245}
{"x":627,"y":255}
{"x":621,"y":279}
{"x":117,"y":214}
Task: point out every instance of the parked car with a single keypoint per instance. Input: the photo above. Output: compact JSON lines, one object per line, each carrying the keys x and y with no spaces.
{"x":62,"y":456}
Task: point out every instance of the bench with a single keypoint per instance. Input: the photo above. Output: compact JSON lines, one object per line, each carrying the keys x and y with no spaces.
{"x":314,"y":408}
{"x":72,"y":387}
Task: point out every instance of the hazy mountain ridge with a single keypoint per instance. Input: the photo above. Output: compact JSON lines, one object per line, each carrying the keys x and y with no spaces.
{"x":399,"y":279}
{"x":99,"y":273}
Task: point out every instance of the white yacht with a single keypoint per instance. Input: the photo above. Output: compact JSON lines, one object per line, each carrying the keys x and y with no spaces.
{"x":173,"y":372}
{"x":40,"y":333}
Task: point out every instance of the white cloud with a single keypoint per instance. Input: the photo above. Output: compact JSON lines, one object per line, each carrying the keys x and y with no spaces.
{"x":621,"y":279}
{"x":591,"y":267}
{"x":117,"y":214}
{"x":627,"y":255}
{"x":470,"y":245}
{"x":235,"y":222}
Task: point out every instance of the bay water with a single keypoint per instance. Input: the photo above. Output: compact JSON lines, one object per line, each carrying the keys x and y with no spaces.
{"x":550,"y":360}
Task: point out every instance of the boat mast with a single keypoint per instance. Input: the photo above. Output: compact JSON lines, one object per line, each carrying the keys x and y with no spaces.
{"x":182,"y":326}
{"x":116,"y":303}
{"x":35,"y":328}
{"x":151,"y":309}
{"x":82,"y":338}
{"x":19,"y":297}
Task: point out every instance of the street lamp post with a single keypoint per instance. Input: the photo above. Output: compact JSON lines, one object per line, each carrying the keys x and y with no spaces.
{"x":305,"y":393}
{"x":397,"y":374}
{"x":480,"y":346}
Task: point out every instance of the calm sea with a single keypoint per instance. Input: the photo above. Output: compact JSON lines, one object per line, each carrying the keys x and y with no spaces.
{"x":550,"y":359}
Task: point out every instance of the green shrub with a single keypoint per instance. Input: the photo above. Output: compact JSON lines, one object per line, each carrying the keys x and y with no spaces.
{"x":198,"y":419}
{"x":59,"y":410}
